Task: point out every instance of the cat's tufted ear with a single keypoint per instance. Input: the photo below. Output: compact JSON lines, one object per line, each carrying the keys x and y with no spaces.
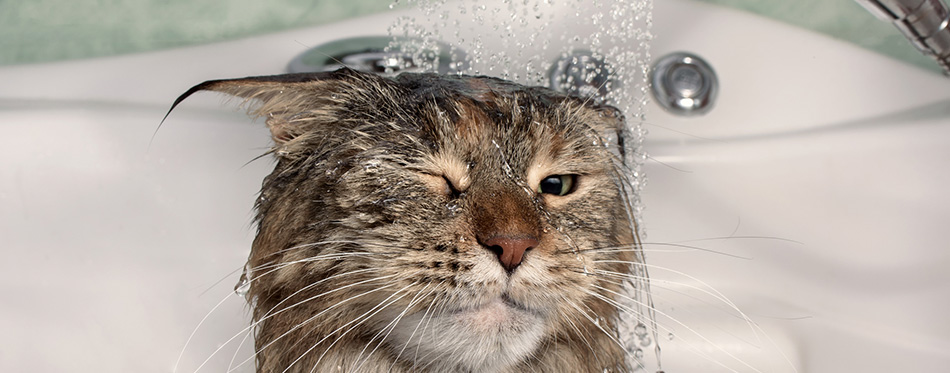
{"x":610,"y":124}
{"x":607,"y":121}
{"x":293,"y":104}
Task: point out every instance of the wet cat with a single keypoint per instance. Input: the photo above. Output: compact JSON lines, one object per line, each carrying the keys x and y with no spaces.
{"x":436,"y":223}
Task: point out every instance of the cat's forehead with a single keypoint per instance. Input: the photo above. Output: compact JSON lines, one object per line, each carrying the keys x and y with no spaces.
{"x":479,"y":109}
{"x":478,"y":88}
{"x":351,"y":112}
{"x":480,"y":127}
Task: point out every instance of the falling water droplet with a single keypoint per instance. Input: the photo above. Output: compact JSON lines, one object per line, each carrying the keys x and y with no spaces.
{"x":646,"y":341}
{"x":640,"y":330}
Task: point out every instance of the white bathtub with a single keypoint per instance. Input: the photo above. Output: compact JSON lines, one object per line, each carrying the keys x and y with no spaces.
{"x":825,"y":164}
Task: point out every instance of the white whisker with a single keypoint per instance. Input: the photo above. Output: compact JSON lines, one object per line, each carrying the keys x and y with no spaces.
{"x":639,"y":248}
{"x":580,"y":333}
{"x":414,"y":330}
{"x":691,"y":330}
{"x":314,"y":317}
{"x":712,"y":291}
{"x":389,"y":328}
{"x":359,"y":321}
{"x":195,"y":331}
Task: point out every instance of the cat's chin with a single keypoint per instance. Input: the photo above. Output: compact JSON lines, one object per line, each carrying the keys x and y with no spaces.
{"x":498,"y":315}
{"x":493,"y":336}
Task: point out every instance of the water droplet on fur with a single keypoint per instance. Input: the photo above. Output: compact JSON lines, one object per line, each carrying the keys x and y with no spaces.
{"x":243,"y":285}
{"x":638,"y":353}
{"x":371,"y":166}
{"x":453,"y":208}
{"x":669,"y":336}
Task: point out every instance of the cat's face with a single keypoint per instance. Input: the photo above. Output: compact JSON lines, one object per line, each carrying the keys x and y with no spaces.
{"x":433,"y":222}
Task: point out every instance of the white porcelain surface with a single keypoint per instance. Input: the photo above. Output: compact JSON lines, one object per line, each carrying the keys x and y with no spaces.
{"x":815,"y":189}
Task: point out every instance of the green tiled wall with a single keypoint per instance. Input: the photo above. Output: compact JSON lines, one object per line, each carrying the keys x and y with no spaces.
{"x":50,"y":30}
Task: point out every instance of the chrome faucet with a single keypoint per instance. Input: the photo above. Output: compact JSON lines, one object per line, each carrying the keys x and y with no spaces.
{"x":925,"y":22}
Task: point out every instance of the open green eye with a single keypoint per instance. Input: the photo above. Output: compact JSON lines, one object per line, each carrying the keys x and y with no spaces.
{"x":558,"y":185}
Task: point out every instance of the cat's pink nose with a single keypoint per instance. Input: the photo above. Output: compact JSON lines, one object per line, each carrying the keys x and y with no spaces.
{"x":510,"y":249}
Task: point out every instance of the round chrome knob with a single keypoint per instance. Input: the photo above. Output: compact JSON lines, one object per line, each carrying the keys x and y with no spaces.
{"x":684,"y":84}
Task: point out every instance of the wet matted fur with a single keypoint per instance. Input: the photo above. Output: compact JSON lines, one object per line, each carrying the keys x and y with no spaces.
{"x":436,"y":223}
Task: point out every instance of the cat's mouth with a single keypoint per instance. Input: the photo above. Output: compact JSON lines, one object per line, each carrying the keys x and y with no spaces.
{"x":499,"y":316}
{"x":507,"y":301}
{"x":501,"y":309}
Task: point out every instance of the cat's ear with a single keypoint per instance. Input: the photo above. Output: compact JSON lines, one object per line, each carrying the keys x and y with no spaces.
{"x":282,"y":99}
{"x":609,"y":120}
{"x":610,"y":124}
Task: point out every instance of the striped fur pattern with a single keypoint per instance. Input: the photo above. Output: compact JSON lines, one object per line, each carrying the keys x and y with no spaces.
{"x":374,"y":247}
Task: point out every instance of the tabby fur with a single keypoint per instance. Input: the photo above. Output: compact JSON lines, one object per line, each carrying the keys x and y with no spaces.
{"x":370,"y":254}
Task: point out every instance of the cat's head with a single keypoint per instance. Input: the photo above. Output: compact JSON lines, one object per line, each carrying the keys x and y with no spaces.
{"x":431,"y":221}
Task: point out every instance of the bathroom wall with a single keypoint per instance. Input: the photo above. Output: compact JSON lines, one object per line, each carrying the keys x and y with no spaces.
{"x":843,"y":19}
{"x":34,"y":31}
{"x":51,"y":30}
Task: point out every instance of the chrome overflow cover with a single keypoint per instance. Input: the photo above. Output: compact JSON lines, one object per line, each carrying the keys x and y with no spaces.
{"x":382,"y":55}
{"x":684,"y":84}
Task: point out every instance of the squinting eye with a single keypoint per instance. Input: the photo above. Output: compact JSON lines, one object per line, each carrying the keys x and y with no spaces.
{"x":558,"y":185}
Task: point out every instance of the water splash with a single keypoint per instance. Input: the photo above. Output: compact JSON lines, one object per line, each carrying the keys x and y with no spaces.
{"x":521,"y":40}
{"x":605,"y":42}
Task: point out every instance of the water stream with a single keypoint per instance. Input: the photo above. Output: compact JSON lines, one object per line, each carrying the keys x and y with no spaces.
{"x":604,"y":43}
